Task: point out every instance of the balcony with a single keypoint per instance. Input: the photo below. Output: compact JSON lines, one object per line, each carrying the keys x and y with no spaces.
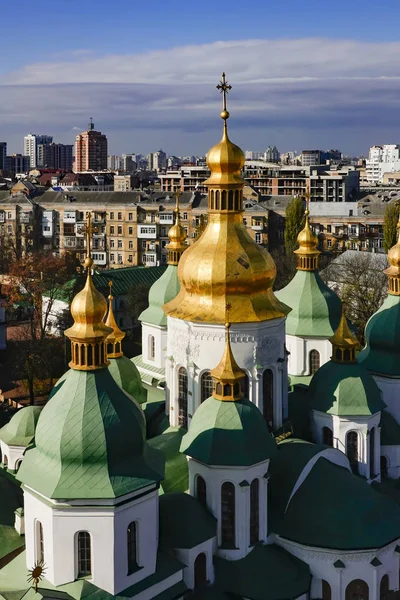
{"x":25,"y":217}
{"x":166,"y":219}
{"x":99,"y":258}
{"x":2,"y":216}
{"x":257,"y":226}
{"x":149,"y":258}
{"x":147,"y":231}
{"x":70,"y":242}
{"x":69,"y":216}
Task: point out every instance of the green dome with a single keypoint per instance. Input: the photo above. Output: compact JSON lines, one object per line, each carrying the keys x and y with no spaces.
{"x":161,"y":292}
{"x":345,"y":390}
{"x":90,"y":442}
{"x":20,"y":430}
{"x":316,"y":309}
{"x":228,"y":433}
{"x":381,"y":354}
{"x":126,"y":375}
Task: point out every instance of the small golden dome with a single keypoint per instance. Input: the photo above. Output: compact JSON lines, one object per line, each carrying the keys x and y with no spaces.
{"x":225,"y":161}
{"x":393,"y":271}
{"x":177,"y":237}
{"x":307,"y":252}
{"x":344,"y":343}
{"x":228,"y":375}
{"x":116,"y":336}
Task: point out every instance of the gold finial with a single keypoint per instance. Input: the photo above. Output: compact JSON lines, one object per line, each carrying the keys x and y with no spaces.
{"x":88,"y":229}
{"x":307,"y":253}
{"x":178,"y":194}
{"x":344,"y":343}
{"x":177,"y":236}
{"x":228,"y":375}
{"x":37,"y":573}
{"x":393,"y":271}
{"x":224,"y":88}
{"x":114,"y":339}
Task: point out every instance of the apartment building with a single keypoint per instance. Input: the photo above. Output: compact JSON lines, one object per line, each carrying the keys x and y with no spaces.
{"x":55,"y":156}
{"x":382,"y":159}
{"x":90,"y":150}
{"x":31,"y":143}
{"x":185,"y":179}
{"x":3,"y":154}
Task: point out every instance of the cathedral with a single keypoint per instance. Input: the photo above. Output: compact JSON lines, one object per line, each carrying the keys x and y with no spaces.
{"x":250,"y":451}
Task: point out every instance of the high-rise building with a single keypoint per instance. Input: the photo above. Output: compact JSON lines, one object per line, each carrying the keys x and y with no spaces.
{"x":55,"y":156}
{"x":272,"y":154}
{"x":90,"y":150}
{"x":114,"y":162}
{"x":157,"y":161}
{"x":129,"y":162}
{"x":3,"y":154}
{"x":31,"y":143}
{"x":311,"y":158}
{"x":17,"y":163}
{"x":382,"y":159}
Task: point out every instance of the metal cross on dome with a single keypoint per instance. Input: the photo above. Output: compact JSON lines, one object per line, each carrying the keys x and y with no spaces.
{"x":177,"y":194}
{"x":88,"y":229}
{"x":224,"y":89}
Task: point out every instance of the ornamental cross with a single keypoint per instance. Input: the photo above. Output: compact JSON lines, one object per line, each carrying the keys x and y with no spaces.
{"x":178,"y":194}
{"x":88,"y":230}
{"x":224,"y":89}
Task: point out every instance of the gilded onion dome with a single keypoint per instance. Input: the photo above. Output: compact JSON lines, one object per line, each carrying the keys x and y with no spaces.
{"x":177,"y":238}
{"x":225,"y":265}
{"x":114,"y":339}
{"x":307,"y":253}
{"x":393,"y":271}
{"x":344,"y":343}
{"x":228,"y":375}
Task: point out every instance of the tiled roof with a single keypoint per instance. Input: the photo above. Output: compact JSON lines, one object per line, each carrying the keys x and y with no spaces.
{"x":11,"y":498}
{"x":165,"y":289}
{"x":176,"y":465}
{"x":127,"y":278}
{"x":20,"y":430}
{"x":125,"y":374}
{"x":184,"y":522}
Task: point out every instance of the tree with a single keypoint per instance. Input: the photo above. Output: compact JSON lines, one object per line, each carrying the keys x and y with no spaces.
{"x":137,"y":300}
{"x":359,"y":280}
{"x":294,"y":223}
{"x":285,"y":267}
{"x":390,"y":225}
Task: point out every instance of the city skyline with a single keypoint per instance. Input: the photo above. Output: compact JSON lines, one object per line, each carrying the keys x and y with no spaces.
{"x":152,"y":84}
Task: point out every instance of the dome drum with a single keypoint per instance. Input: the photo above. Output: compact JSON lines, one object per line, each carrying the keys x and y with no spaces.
{"x":225,"y":200}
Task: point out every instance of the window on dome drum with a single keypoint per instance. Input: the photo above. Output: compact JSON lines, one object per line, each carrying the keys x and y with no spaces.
{"x":206,"y":386}
{"x":384,"y":588}
{"x":254,"y":512}
{"x":152,"y":347}
{"x":132,"y":547}
{"x":268,"y":397}
{"x":357,"y":590}
{"x":39,"y":542}
{"x":182,"y":398}
{"x":314,"y":361}
{"x":84,"y":554}
{"x":352,"y":450}
{"x":327,"y":436}
{"x":200,"y":570}
{"x":201,"y":490}
{"x":228,"y":515}
{"x":372,"y":453}
{"x":384,"y":466}
{"x":326,"y":590}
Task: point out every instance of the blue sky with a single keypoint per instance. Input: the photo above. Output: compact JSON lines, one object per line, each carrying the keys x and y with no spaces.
{"x":308,"y":74}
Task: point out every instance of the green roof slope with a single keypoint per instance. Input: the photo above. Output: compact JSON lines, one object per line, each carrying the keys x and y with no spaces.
{"x":11,"y":498}
{"x":126,"y":375}
{"x":126,"y":278}
{"x":161,"y":292}
{"x":335,"y":509}
{"x":176,"y":465}
{"x":184,"y":522}
{"x":20,"y":430}
{"x":316,"y":309}
{"x":345,"y":390}
{"x":382,"y":350}
{"x":266,"y":573}
{"x":90,"y":442}
{"x":228,"y":433}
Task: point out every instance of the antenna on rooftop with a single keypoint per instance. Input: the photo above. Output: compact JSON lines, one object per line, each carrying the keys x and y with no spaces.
{"x":91,"y":124}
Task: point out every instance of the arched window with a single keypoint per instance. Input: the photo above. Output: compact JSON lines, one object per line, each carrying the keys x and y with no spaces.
{"x":223,"y":200}
{"x":217,"y":201}
{"x":18,"y":464}
{"x":372,"y":453}
{"x":84,"y":554}
{"x":228,"y":515}
{"x":152,"y":347}
{"x":314,"y":361}
{"x":206,"y":386}
{"x":254,"y":512}
{"x":39,"y":542}
{"x":384,"y":587}
{"x":352,"y":450}
{"x":384,"y":466}
{"x":5,"y":460}
{"x":357,"y":590}
{"x":182,"y":398}
{"x":201,"y":490}
{"x":327,"y":436}
{"x":268,"y":397}
{"x":200,"y":570}
{"x":326,"y":590}
{"x":230,"y":200}
{"x":132,"y":547}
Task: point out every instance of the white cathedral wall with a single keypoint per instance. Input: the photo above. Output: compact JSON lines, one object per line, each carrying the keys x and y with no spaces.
{"x":199,"y":347}
{"x":188,"y":557}
{"x":299,"y":349}
{"x":390,"y":387}
{"x":357,"y":565}
{"x":14,"y":455}
{"x":392,"y":455}
{"x":107,"y":525}
{"x":160,"y":346}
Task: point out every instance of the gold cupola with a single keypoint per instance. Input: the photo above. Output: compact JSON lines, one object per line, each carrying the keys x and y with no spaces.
{"x":228,"y":376}
{"x":393,"y":271}
{"x":88,"y":308}
{"x":114,"y":339}
{"x":344,"y":343}
{"x":307,"y":253}
{"x":225,"y":265}
{"x":177,"y":237}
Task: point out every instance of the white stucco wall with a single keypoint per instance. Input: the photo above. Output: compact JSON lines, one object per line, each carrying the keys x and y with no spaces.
{"x":390,"y":387}
{"x":188,"y":557}
{"x":392,"y":455}
{"x":14,"y":455}
{"x":299,"y":349}
{"x":160,"y":346}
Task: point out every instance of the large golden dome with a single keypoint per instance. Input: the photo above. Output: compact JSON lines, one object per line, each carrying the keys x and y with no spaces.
{"x":226,"y":266}
{"x":393,"y":271}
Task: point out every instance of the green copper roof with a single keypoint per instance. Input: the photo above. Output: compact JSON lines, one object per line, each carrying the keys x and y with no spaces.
{"x":161,"y":292}
{"x":90,"y":442}
{"x":345,"y":390}
{"x":125,"y":374}
{"x":176,"y":466}
{"x":382,"y":351}
{"x":20,"y":430}
{"x":126,"y":278}
{"x":184,"y":522}
{"x":11,"y":498}
{"x":266,"y":573}
{"x":228,"y":433}
{"x":316,"y":309}
{"x":390,"y":433}
{"x":332,"y":508}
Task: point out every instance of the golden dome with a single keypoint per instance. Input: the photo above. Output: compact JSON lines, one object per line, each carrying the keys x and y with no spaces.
{"x":344,"y":343}
{"x":225,"y":265}
{"x":307,"y":252}
{"x":393,"y":271}
{"x":116,"y":336}
{"x":228,"y":375}
{"x":177,"y":237}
